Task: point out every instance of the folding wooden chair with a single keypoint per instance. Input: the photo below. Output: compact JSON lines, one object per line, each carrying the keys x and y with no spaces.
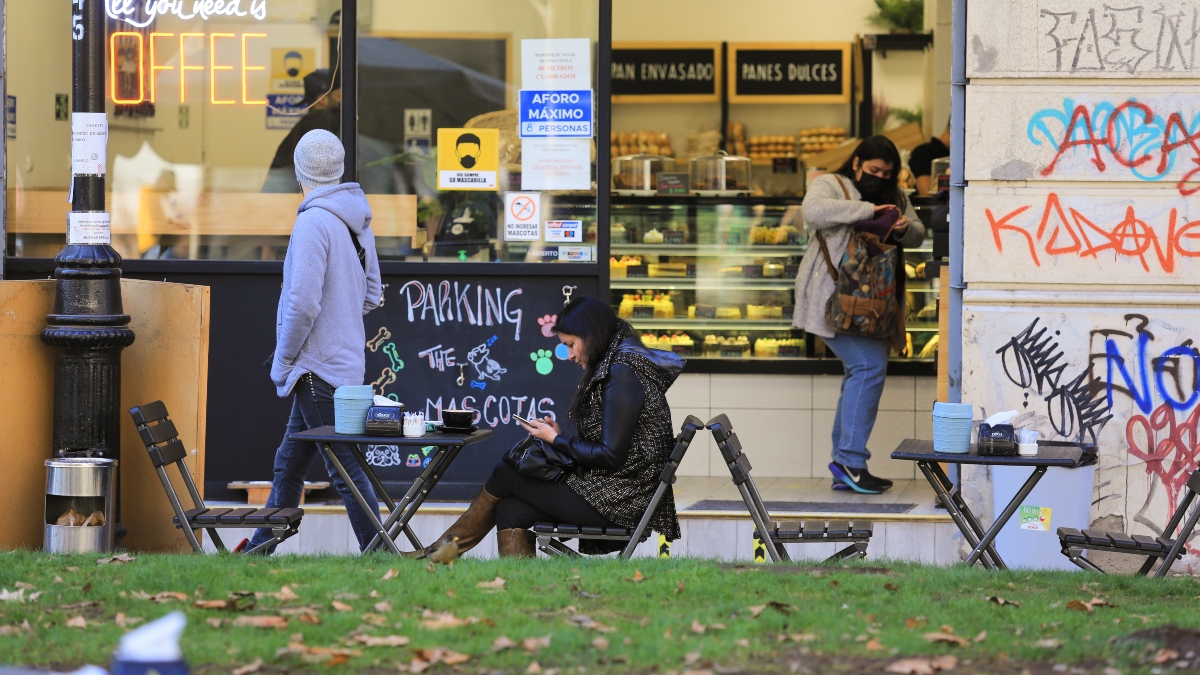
{"x":774,"y":535}
{"x":550,"y":537}
{"x":162,"y":442}
{"x":1074,"y":541}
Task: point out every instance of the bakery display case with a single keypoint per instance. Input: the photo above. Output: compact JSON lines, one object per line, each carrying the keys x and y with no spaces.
{"x":720,"y":175}
{"x":713,"y":279}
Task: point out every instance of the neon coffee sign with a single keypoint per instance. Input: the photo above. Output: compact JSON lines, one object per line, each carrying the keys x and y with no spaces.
{"x":141,"y":13}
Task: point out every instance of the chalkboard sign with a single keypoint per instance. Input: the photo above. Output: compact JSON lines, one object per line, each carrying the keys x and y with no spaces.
{"x":789,"y":73}
{"x":667,"y":72}
{"x":477,"y":343}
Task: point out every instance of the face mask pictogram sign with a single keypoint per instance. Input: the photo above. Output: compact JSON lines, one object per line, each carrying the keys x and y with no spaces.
{"x":468,"y":159}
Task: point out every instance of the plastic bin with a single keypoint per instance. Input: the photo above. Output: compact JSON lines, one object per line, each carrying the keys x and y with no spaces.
{"x":86,"y":486}
{"x":350,"y":405}
{"x":1063,"y":498}
{"x":952,"y":427}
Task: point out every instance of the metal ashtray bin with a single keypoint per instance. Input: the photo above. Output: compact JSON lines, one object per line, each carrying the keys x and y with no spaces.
{"x":80,"y":507}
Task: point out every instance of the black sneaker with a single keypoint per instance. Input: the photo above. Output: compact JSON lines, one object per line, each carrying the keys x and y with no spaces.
{"x":859,"y":480}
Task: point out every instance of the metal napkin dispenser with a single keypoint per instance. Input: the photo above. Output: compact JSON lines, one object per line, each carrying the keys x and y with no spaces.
{"x":999,"y":440}
{"x":385,"y":420}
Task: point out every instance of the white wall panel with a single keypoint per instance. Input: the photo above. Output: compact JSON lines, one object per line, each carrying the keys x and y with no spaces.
{"x":1082,"y":38}
{"x":1080,"y":235}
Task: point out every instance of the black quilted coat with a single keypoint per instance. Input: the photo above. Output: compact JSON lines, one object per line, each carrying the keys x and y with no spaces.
{"x":622,"y":495}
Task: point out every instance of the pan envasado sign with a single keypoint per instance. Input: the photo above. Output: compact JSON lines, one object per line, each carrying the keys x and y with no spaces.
{"x":555,"y":114}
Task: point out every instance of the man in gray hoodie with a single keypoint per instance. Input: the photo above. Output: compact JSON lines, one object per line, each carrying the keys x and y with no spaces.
{"x":330,"y":280}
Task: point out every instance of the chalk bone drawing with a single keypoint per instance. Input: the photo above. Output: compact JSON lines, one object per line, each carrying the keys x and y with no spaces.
{"x":1129,"y":380}
{"x":1085,"y":235}
{"x":1082,"y":38}
{"x":1145,"y":134}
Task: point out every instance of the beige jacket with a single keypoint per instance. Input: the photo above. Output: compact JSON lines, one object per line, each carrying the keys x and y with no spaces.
{"x":826,"y":210}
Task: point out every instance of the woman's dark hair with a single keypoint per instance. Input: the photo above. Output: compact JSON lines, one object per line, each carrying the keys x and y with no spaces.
{"x":593,"y":321}
{"x":877,"y":147}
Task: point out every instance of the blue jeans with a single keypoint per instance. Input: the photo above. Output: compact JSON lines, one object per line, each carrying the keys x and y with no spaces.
{"x":865,"y":362}
{"x":312,"y":407}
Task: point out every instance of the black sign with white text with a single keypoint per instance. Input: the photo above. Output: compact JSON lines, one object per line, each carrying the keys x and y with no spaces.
{"x":789,"y":72}
{"x":665,"y":72}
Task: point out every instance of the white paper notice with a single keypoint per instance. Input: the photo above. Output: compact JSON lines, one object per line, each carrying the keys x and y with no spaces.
{"x":556,"y":164}
{"x":564,"y":230}
{"x":89,"y":143}
{"x":522,"y":216}
{"x":89,"y":227}
{"x":556,"y":64}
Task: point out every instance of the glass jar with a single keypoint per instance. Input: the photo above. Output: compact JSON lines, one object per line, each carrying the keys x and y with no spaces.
{"x":638,"y":174}
{"x":720,"y":175}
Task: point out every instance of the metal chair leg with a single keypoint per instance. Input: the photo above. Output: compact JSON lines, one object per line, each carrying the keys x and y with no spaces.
{"x":553,"y":547}
{"x":1075,"y":555}
{"x":848,"y":552}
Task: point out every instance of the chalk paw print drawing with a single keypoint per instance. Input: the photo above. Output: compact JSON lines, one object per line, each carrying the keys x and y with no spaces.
{"x":562,"y":352}
{"x":547,"y":323}
{"x":542,"y":362}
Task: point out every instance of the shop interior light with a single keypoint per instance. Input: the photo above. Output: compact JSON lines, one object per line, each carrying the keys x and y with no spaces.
{"x":213,"y":68}
{"x":112,"y":49}
{"x":183,"y":66}
{"x":154,"y":67}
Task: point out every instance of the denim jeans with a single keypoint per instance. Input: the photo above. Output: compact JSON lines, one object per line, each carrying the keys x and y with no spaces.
{"x":312,"y":407}
{"x":865,"y":362}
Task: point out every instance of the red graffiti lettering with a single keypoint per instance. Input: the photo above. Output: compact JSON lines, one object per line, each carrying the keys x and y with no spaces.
{"x":1170,"y":457}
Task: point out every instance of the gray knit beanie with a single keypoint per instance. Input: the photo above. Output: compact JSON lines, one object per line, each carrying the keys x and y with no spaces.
{"x":320,"y":159}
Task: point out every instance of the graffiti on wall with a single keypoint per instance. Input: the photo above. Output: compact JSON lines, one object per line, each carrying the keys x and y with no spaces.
{"x":1135,"y":37}
{"x":1049,"y":230}
{"x":1122,"y":139}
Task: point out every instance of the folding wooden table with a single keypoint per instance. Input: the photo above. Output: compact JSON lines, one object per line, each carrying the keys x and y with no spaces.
{"x":1050,"y":453}
{"x":448,"y":447}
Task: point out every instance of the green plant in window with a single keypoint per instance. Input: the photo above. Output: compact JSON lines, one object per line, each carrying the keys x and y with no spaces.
{"x":900,"y":16}
{"x":909,"y":115}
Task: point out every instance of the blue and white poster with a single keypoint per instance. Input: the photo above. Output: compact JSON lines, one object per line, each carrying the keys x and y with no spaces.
{"x":556,"y":114}
{"x":284,"y":110}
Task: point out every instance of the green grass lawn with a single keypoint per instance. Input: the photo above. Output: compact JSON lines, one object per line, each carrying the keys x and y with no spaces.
{"x":601,"y":615}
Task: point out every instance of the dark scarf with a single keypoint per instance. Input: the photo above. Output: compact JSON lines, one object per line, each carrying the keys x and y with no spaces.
{"x":623,"y":495}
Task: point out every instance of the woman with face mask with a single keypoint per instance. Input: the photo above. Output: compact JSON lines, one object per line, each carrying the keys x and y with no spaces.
{"x":862,"y":189}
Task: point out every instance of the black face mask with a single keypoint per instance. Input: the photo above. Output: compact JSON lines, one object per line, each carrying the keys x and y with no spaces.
{"x":873,"y":188}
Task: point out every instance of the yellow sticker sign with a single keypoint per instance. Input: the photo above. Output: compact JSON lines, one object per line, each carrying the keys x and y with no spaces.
{"x":468,"y":159}
{"x":289,"y":65}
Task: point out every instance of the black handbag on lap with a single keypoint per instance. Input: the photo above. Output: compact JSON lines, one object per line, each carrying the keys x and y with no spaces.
{"x":536,"y":459}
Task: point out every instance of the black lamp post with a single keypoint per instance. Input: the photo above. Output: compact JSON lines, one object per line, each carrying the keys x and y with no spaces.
{"x":88,"y":326}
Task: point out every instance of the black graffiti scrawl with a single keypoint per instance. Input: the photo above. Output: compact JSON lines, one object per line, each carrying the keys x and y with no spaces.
{"x":1032,"y":359}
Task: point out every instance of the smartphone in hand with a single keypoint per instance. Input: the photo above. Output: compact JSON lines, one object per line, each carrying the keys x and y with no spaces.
{"x":522,"y":419}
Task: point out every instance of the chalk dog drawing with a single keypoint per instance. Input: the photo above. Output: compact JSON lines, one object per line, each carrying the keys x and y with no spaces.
{"x":485,"y":367}
{"x":383,"y":455}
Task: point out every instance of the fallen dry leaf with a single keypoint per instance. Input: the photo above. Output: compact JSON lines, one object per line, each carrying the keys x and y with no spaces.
{"x":923,"y":666}
{"x":1081,"y":606}
{"x":380,"y":640}
{"x":637,"y":577}
{"x":439,"y":621}
{"x":780,"y":607}
{"x":503,"y":642}
{"x":889,"y":586}
{"x":373,"y":594}
{"x":215,"y":623}
{"x":874,"y":645}
{"x":1002,"y":602}
{"x":125,"y":621}
{"x":690,"y":658}
{"x":248,"y":668}
{"x":341,"y":606}
{"x":211,"y":604}
{"x":261,"y":621}
{"x":13,"y":630}
{"x":981,"y":637}
{"x":698,"y":628}
{"x":801,"y":637}
{"x":22,"y":584}
{"x":533,"y":644}
{"x":374,"y":619}
{"x":286,"y":594}
{"x":453,"y":658}
{"x":915,"y":622}
{"x":122,"y":559}
{"x":12,"y":596}
{"x":72,"y":568}
{"x":76,"y":622}
{"x":948,"y":638}
{"x":1165,"y":655}
{"x":600,"y":643}
{"x":1048,"y":643}
{"x":390,"y":574}
{"x":534,"y":668}
{"x":383,"y":606}
{"x":494,"y":583}
{"x":451,"y":594}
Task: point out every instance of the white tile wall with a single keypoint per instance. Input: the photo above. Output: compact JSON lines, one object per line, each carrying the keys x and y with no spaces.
{"x":784,"y":421}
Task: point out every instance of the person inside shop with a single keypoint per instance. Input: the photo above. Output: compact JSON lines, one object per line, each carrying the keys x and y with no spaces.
{"x":330,"y":281}
{"x":611,"y":464}
{"x":323,"y":110}
{"x":861,"y":190}
{"x":921,"y":162}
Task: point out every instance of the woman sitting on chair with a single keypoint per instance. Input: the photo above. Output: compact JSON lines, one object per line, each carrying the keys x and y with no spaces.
{"x":624,"y":439}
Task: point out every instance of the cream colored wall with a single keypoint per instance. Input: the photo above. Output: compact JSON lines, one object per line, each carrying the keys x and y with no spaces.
{"x":39,"y":68}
